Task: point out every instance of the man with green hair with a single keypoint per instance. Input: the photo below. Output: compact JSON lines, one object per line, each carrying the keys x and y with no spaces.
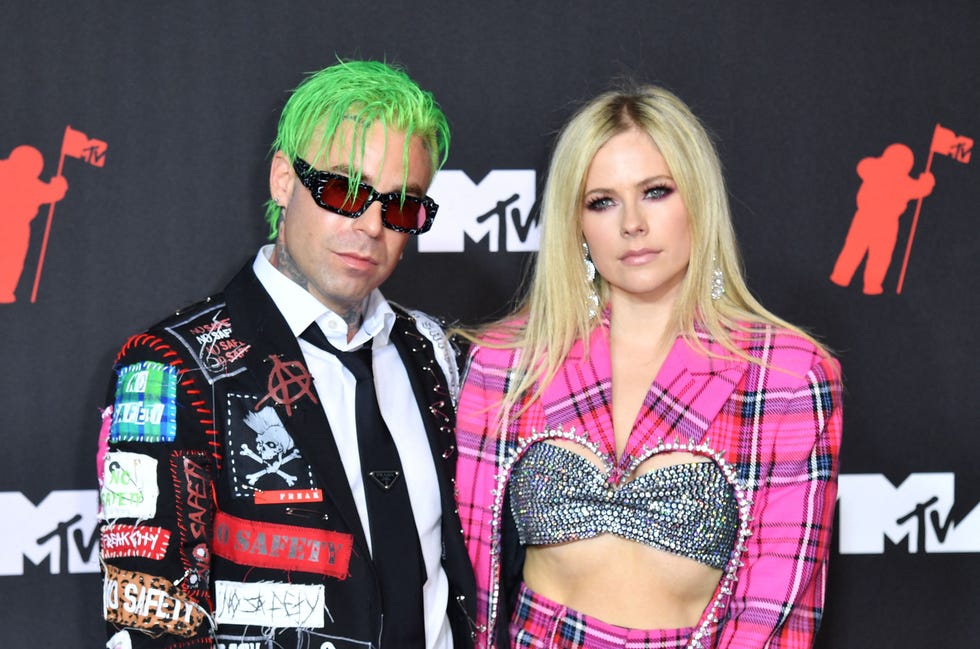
{"x":286,"y":446}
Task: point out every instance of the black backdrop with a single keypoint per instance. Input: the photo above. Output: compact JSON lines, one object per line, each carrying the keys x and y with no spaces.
{"x":186,"y":96}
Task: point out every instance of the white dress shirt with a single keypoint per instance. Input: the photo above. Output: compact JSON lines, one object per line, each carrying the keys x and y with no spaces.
{"x":398,"y":406}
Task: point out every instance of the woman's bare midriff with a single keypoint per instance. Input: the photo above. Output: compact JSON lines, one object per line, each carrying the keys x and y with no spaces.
{"x":622,"y":582}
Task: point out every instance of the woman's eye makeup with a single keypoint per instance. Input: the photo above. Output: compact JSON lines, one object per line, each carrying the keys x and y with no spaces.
{"x":658,"y":191}
{"x":598,"y":203}
{"x":654,"y":192}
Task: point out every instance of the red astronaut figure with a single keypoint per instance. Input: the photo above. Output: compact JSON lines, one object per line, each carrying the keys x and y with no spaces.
{"x":22,"y":192}
{"x":881,"y":201}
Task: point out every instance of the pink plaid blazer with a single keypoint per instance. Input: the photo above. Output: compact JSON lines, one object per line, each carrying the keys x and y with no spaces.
{"x":774,"y":430}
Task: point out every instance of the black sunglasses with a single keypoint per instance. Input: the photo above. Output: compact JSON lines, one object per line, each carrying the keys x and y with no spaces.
{"x":332,"y":192}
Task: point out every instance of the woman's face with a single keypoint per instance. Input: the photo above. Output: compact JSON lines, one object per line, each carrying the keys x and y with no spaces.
{"x":635,"y":221}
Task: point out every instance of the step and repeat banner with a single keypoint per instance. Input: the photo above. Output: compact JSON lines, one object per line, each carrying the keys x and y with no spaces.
{"x":134,"y":152}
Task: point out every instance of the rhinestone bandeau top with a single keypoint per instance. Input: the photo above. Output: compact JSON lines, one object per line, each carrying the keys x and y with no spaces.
{"x":557,"y":496}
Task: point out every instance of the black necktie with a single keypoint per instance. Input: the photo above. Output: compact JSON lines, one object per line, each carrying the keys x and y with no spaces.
{"x":396,"y":553}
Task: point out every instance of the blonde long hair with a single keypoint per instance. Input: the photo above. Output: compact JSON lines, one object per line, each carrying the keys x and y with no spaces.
{"x":554,"y":312}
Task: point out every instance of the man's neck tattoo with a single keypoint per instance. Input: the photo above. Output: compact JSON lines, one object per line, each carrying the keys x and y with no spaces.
{"x":351,"y":313}
{"x":353,"y":318}
{"x":284,"y":262}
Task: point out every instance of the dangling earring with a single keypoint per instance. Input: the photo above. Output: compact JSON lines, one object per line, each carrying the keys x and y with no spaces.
{"x":717,"y":280}
{"x":593,"y":299}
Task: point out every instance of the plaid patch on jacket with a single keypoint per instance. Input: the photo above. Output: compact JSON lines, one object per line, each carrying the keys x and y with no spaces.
{"x":774,"y":430}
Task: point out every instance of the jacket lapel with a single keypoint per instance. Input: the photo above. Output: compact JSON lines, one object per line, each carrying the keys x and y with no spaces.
{"x":275,"y":353}
{"x":687,"y":393}
{"x":578,"y":401}
{"x":431,"y":395}
{"x":438,"y":417}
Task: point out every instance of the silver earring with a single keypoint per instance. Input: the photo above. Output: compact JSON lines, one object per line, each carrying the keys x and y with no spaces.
{"x":593,"y":299}
{"x":717,"y":280}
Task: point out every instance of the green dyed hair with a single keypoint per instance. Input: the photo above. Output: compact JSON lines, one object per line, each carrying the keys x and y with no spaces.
{"x":367,"y":92}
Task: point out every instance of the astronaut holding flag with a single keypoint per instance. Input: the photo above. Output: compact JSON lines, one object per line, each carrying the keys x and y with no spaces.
{"x":882,"y":199}
{"x":22,"y":192}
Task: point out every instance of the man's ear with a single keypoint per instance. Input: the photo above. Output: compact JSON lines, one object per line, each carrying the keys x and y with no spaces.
{"x":281,"y":179}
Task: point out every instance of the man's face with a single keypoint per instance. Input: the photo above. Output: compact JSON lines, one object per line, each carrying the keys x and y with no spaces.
{"x":340,"y":260}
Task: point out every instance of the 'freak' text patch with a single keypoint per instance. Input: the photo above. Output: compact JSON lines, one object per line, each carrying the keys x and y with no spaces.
{"x":133,"y":541}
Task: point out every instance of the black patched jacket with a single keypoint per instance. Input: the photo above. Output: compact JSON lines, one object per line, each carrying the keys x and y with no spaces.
{"x":226,"y":515}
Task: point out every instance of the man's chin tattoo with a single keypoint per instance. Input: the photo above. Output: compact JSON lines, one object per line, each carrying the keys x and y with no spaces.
{"x":351,"y":313}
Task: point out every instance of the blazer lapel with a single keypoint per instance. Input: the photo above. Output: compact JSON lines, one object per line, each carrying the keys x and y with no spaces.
{"x":431,"y":395}
{"x":579,"y":399}
{"x":439,"y":419}
{"x":275,"y":353}
{"x":687,"y":393}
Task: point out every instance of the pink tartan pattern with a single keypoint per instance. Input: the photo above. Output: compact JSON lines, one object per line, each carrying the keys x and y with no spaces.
{"x":774,"y":430}
{"x":540,"y":623}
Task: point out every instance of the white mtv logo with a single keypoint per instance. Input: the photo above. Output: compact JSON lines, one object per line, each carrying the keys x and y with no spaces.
{"x":871,"y":508}
{"x":498,"y":210}
{"x":62,"y":528}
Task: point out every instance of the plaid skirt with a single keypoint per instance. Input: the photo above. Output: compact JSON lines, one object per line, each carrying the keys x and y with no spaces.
{"x":539,"y":623}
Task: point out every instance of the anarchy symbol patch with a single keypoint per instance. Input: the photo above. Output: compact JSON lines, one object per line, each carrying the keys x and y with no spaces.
{"x":288,"y":382}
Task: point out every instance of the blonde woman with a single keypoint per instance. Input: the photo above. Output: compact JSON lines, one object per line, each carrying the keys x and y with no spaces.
{"x":648,"y":457}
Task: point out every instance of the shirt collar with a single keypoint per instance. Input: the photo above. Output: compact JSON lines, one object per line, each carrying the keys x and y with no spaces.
{"x":300,"y":308}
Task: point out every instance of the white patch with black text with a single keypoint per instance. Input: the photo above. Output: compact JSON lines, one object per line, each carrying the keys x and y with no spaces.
{"x":129,"y":488}
{"x":269,"y":604}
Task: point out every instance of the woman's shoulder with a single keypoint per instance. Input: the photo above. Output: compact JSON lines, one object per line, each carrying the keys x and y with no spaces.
{"x":504,"y":335}
{"x":781,"y":347}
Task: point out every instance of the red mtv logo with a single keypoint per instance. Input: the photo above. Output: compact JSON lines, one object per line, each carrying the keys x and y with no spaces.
{"x":882,"y":199}
{"x":22,"y":193}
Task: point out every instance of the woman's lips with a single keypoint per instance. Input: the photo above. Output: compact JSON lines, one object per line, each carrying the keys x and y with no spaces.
{"x":639,"y":257}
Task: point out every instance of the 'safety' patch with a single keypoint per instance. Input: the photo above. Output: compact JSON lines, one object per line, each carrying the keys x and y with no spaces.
{"x":147,"y":602}
{"x":145,"y":409}
{"x":269,"y":604}
{"x":283,"y":547}
{"x":129,"y":487}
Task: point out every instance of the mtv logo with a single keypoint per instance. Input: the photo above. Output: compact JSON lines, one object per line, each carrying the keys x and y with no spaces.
{"x":871,"y":508}
{"x":497,"y":210}
{"x":61,"y":528}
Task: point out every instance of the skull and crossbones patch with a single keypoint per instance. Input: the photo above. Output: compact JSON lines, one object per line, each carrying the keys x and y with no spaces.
{"x":261,"y":454}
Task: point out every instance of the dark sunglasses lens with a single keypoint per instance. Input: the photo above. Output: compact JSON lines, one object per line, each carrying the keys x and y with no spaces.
{"x":334,"y":196}
{"x":409,"y":215}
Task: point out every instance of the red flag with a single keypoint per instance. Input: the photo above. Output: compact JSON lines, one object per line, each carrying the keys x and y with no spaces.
{"x":78,"y":145}
{"x":946,"y":142}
